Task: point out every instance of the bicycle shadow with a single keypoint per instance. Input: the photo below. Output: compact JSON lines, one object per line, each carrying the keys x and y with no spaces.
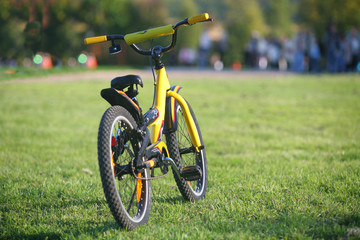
{"x":60,"y":227}
{"x":64,"y":226}
{"x":72,"y":231}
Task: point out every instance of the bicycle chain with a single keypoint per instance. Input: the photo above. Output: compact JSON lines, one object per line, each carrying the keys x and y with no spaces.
{"x":150,"y":178}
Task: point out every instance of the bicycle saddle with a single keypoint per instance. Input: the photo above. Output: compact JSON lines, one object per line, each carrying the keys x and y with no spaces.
{"x":120,"y":83}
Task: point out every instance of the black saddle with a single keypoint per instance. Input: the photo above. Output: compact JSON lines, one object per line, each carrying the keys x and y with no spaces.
{"x":120,"y":83}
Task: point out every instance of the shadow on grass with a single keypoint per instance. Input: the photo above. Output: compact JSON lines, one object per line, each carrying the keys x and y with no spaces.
{"x":67,"y":232}
{"x":293,"y":226}
{"x":72,"y":227}
{"x":55,"y":227}
{"x":284,"y":225}
{"x":51,"y":224}
{"x":37,"y":236}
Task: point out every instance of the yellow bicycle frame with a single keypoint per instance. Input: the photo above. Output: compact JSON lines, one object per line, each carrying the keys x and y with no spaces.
{"x":162,"y":85}
{"x":162,"y":90}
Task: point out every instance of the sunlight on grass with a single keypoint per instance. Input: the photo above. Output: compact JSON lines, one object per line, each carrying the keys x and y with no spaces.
{"x":283,"y":158}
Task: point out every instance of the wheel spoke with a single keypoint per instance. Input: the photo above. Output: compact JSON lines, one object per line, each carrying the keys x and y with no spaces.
{"x":131,"y":200}
{"x":184,"y":154}
{"x":127,"y":147}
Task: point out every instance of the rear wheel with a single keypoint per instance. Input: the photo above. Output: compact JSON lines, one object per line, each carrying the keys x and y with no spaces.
{"x":129,"y":199}
{"x":178,"y":141}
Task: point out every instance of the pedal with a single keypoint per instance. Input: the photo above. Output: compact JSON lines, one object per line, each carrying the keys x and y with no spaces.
{"x":191,"y":173}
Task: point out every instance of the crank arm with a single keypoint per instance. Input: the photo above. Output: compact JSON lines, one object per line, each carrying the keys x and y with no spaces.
{"x":189,"y":173}
{"x":174,"y":167}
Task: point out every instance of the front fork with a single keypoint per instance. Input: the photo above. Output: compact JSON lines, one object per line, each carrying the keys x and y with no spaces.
{"x":194,"y":135}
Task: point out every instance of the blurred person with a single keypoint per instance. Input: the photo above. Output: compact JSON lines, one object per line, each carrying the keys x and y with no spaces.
{"x":223,"y":45}
{"x":187,"y":56}
{"x":253,"y":49}
{"x":354,"y":45}
{"x":205,"y":45}
{"x":314,"y":54}
{"x":288,"y":51}
{"x":341,"y":56}
{"x":273,"y":53}
{"x":332,"y":44}
{"x":347,"y":52}
{"x":299,"y":56}
{"x":216,"y":62}
{"x":262,"y":49}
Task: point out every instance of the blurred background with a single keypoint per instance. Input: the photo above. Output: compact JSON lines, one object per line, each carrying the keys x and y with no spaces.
{"x":279,"y":35}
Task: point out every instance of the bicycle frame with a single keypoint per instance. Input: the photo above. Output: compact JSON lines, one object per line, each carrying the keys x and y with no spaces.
{"x":163,"y":91}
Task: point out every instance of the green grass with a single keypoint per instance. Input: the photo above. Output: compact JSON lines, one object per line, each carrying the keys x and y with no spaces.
{"x":9,"y":73}
{"x":283,"y":158}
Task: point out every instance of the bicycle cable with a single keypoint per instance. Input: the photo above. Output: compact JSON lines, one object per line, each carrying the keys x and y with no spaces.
{"x":153,"y":73}
{"x":132,"y":160}
{"x":151,"y":66}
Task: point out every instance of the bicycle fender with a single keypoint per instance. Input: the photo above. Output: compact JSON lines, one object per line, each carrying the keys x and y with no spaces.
{"x":170,"y":124}
{"x":116,"y":97}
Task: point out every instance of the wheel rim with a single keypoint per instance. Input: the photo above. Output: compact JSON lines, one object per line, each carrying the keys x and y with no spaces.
{"x":190,"y":159}
{"x":122,"y":151}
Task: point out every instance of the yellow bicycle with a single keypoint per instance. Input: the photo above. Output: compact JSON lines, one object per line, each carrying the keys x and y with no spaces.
{"x":131,"y":149}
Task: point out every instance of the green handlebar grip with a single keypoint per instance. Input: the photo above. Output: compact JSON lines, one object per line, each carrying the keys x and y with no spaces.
{"x":148,"y":34}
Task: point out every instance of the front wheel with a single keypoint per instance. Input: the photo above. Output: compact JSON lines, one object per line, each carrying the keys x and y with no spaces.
{"x":178,"y":140}
{"x":129,"y":199}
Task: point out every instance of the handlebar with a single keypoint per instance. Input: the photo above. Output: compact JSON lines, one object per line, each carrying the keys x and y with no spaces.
{"x":199,"y":18}
{"x":148,"y":34}
{"x":97,"y":39}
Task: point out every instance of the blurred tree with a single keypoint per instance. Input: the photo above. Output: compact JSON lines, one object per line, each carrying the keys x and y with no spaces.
{"x":105,"y":17}
{"x":243,"y":17}
{"x":122,"y":17}
{"x":12,"y":24}
{"x":101,"y":18}
{"x":278,"y":15}
{"x":62,"y":34}
{"x":188,"y":37}
{"x":59,"y":26}
{"x":32,"y":36}
{"x":217,"y":9}
{"x":145,"y":14}
{"x":319,"y":14}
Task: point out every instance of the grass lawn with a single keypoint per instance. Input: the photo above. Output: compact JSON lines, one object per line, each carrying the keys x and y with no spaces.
{"x":9,"y":73}
{"x":283,"y":158}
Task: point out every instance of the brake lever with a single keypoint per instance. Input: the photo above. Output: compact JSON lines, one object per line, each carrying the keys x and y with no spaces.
{"x":114,"y":48}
